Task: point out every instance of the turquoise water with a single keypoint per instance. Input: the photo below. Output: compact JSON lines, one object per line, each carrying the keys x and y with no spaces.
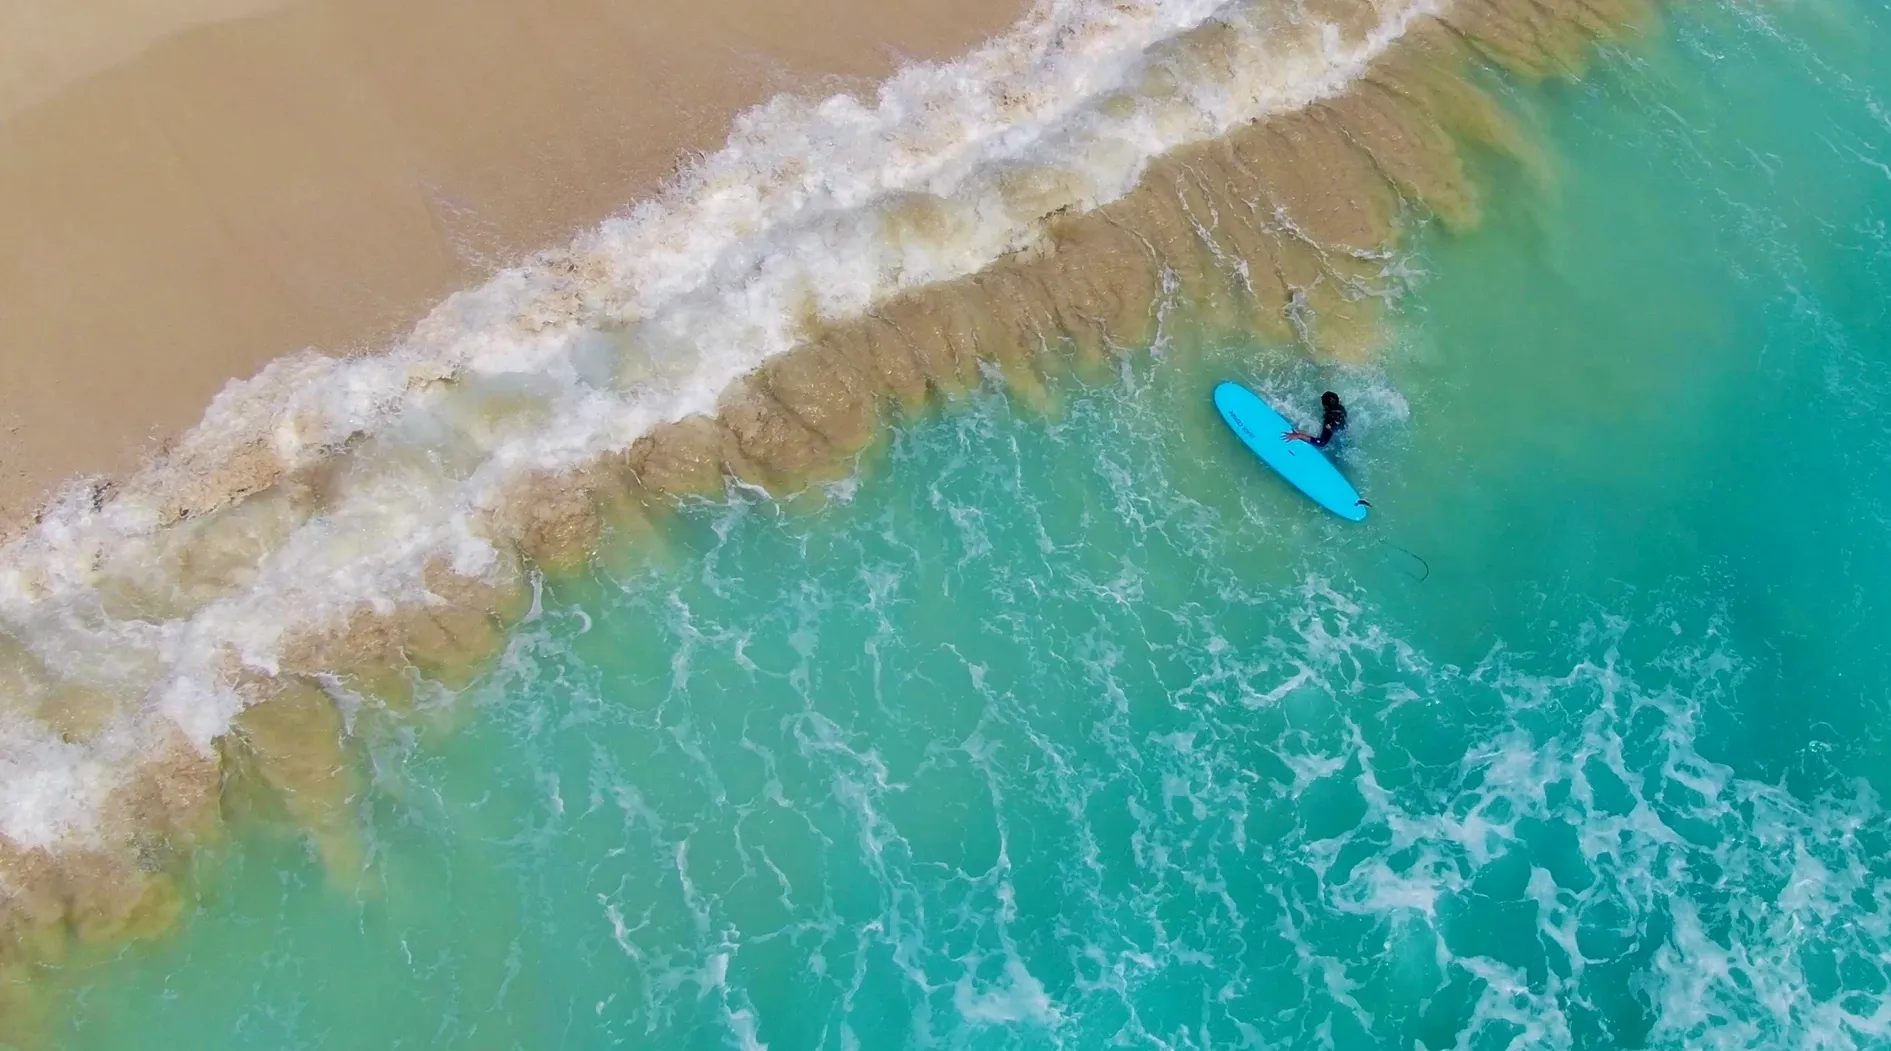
{"x":1083,"y":732}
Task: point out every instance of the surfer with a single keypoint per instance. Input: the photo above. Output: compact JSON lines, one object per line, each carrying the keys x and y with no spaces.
{"x":1332,"y":421}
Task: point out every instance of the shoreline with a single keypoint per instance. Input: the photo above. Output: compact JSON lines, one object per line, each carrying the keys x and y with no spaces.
{"x":355,"y":531}
{"x":321,"y":175}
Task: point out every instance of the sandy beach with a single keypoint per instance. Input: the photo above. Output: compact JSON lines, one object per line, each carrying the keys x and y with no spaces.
{"x":189,"y":190}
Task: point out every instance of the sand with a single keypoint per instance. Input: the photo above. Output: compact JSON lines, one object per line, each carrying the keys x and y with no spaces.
{"x":191,"y":188}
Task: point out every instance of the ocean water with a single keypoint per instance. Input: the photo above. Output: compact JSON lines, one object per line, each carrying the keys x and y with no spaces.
{"x":1078,"y":730}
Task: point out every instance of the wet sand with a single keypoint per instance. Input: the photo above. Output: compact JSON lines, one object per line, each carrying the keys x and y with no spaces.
{"x":191,"y":190}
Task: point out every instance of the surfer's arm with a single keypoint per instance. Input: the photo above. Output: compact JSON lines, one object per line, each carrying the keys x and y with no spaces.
{"x":1318,"y":442}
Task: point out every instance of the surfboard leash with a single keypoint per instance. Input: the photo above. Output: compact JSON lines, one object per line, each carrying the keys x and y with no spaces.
{"x":1414,"y":556}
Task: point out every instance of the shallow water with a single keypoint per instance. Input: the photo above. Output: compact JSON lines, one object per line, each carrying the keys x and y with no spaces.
{"x":1085,"y":732}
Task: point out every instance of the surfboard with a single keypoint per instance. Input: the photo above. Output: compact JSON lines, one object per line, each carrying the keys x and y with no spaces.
{"x":1304,"y":467}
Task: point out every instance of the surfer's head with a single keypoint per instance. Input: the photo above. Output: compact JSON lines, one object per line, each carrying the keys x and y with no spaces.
{"x":1330,"y":400}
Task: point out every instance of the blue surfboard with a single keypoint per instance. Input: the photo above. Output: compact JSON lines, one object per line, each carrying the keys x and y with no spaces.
{"x":1305,"y":467}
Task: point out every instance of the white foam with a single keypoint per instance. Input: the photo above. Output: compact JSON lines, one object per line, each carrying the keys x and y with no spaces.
{"x":1019,"y":998}
{"x":643,"y":320}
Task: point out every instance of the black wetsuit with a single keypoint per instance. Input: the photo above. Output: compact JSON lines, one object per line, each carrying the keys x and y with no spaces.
{"x":1332,"y":419}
